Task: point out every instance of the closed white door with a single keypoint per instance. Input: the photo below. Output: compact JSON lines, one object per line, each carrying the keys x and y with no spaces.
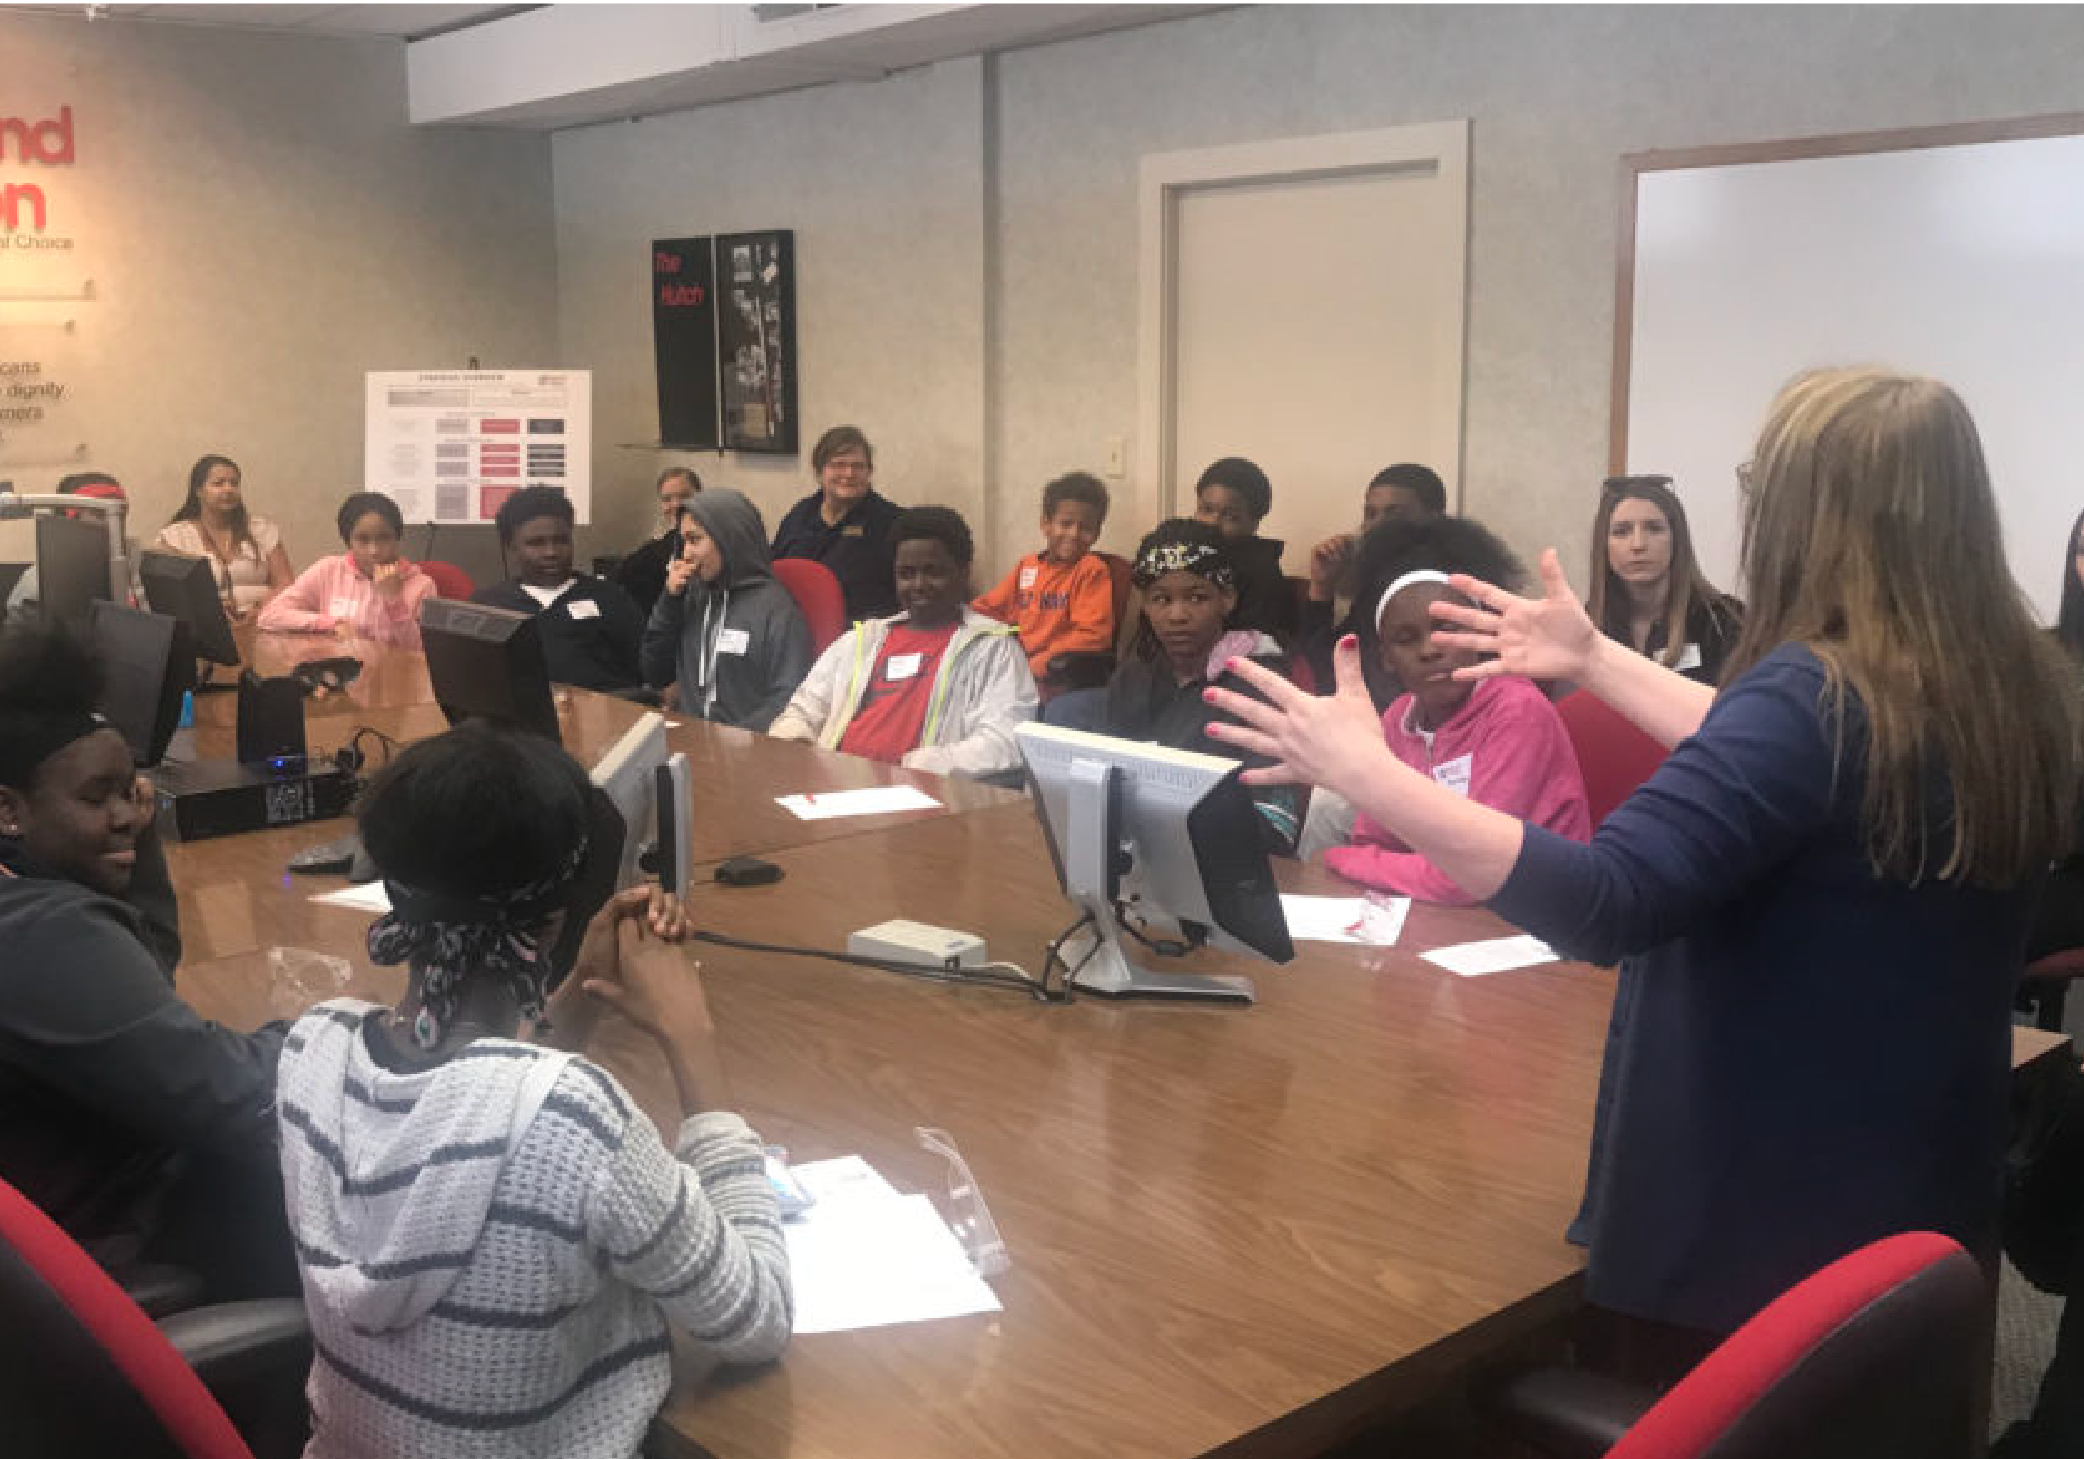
{"x":1311,"y":318}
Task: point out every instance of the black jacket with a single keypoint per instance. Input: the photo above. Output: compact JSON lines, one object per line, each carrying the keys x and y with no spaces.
{"x":857,"y":548}
{"x":590,"y":635}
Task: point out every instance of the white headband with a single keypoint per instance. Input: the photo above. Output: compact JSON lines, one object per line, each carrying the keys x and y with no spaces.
{"x":1409,"y":579}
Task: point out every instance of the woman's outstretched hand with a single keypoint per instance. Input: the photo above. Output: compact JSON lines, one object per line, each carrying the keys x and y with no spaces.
{"x":1541,"y":638}
{"x":1333,"y":740}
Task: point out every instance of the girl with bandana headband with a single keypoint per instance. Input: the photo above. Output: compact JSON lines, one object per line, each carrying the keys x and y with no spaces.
{"x":142,"y":1129}
{"x":455,"y":1189}
{"x":1186,"y":584}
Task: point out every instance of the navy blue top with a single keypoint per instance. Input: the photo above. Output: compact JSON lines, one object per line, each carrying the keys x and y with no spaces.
{"x":857,"y":548}
{"x":1804,"y":1057}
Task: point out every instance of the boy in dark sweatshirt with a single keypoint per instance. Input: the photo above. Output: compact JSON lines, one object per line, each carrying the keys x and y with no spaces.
{"x":725,"y":628}
{"x":590,"y":627}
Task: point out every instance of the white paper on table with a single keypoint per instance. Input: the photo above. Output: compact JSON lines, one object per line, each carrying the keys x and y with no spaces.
{"x":876,"y":800}
{"x":370,"y":896}
{"x":865,"y":1256}
{"x":1355,"y":920}
{"x":1497,"y":955}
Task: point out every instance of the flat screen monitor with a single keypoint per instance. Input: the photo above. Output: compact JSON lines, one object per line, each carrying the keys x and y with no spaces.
{"x":487,"y":663}
{"x":147,"y":664}
{"x":185,"y":587}
{"x":648,"y":786}
{"x":1167,"y":838}
{"x":72,"y":567}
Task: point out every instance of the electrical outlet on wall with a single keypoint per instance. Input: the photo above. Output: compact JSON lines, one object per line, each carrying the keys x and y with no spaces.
{"x":1117,"y":450}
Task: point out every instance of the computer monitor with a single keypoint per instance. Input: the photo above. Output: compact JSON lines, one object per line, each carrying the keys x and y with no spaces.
{"x":487,"y":663}
{"x":148,"y":663}
{"x":185,"y":587}
{"x":649,"y":788}
{"x":1161,"y":836}
{"x":72,"y":567}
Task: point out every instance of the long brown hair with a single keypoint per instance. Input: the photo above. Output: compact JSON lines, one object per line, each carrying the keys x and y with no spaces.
{"x":1684,"y":584}
{"x":1871,"y":536}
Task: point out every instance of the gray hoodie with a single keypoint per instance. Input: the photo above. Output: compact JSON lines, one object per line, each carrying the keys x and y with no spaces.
{"x":737,"y":646}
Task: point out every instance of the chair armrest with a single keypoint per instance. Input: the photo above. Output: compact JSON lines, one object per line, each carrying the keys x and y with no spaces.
{"x":232,"y":1342}
{"x":161,"y":1290}
{"x":1562,"y":1413}
{"x":1090,"y":669}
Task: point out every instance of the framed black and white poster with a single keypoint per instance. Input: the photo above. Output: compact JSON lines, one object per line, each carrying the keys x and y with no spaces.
{"x":756,"y":339}
{"x":683,"y":336}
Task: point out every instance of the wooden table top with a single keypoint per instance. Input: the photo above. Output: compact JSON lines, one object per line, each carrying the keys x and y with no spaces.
{"x":1246,"y":1227}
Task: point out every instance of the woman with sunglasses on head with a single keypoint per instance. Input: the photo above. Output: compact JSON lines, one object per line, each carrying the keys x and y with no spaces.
{"x":1848,"y":836}
{"x":1648,"y":591}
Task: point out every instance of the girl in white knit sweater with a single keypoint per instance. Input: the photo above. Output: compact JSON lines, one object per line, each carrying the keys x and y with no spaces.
{"x":492,"y":1235}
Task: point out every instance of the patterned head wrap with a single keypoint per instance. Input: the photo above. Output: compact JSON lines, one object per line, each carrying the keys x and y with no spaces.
{"x":446,"y":939}
{"x":1199,"y":558}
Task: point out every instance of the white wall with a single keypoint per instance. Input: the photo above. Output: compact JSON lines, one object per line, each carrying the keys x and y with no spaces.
{"x":1556,"y":95}
{"x":262,"y":227}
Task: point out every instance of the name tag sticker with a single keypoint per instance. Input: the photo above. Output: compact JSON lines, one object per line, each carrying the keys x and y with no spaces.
{"x":1689,"y":658}
{"x":341,"y":608}
{"x":855,"y":530}
{"x":1454,"y":774}
{"x":1028,"y":575}
{"x":733,"y":641}
{"x":901,"y":666}
{"x":584,"y":608}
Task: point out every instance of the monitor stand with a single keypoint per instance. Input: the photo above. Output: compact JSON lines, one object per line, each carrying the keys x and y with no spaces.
{"x":1093,"y":868}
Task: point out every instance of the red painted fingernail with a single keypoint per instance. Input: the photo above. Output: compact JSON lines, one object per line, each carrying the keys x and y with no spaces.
{"x":1208,"y":696}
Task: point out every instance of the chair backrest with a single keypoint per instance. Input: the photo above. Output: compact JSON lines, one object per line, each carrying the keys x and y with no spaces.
{"x":1874,"y":1355}
{"x":1119,"y":570}
{"x":450,"y":581}
{"x":818,"y":596}
{"x":82,"y":1369}
{"x":1612,"y":754}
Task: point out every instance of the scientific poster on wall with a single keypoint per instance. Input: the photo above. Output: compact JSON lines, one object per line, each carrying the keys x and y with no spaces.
{"x":449,"y":446}
{"x":756,"y":339}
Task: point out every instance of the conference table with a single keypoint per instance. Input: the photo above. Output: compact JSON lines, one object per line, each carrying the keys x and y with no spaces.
{"x":1233,"y":1230}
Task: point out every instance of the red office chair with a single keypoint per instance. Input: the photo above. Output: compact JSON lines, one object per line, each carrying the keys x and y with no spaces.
{"x":817,"y":594}
{"x":1612,"y":754}
{"x":1092,"y":668}
{"x":84,"y":1371}
{"x":1874,"y":1357}
{"x":450,"y":581}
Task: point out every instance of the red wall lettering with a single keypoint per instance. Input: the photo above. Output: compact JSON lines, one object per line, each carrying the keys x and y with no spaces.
{"x":678,"y":295}
{"x":665,"y":263}
{"x":14,"y":198}
{"x":49,"y":142}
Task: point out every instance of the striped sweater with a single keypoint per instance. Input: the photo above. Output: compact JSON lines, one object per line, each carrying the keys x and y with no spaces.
{"x":477,"y":1290}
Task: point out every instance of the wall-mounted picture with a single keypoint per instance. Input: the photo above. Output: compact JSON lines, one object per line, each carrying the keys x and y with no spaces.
{"x":683,"y":333}
{"x":756,"y":339}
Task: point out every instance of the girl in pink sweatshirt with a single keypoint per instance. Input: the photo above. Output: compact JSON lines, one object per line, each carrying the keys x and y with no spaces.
{"x":1499,"y":741}
{"x":368,"y":591}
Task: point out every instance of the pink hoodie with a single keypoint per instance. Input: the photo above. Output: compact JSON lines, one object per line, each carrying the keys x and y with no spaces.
{"x":1505,"y":748}
{"x":330,"y":592}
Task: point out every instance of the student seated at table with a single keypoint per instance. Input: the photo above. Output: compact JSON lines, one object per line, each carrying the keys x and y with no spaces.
{"x":1061,"y":598}
{"x":643,"y":573}
{"x":1648,"y":591}
{"x":23,"y":603}
{"x":142,"y":1129}
{"x":1405,"y":492}
{"x":1184,"y":643}
{"x":1234,"y":496}
{"x":244,"y":549}
{"x":493,"y":1236}
{"x":724,"y":628}
{"x":937,"y":687}
{"x":590,"y":628}
{"x":368,"y":591}
{"x":1498,"y":741}
{"x":845,"y":524}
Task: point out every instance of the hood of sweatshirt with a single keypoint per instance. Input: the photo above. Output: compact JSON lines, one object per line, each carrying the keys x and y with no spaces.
{"x":390,"y":1177}
{"x":734,"y":525}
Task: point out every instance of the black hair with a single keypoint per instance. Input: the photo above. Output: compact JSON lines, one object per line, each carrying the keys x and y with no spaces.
{"x":50,"y":683}
{"x":1243,"y":477}
{"x":2069,"y":622}
{"x":477,"y":811}
{"x":937,"y":524}
{"x":79,"y":480}
{"x":1422,"y":482}
{"x":672,"y":471}
{"x":838,"y":439}
{"x":1075,"y":486}
{"x":192,"y":505}
{"x":1442,"y":544}
{"x":529,"y":503}
{"x":360,"y":504}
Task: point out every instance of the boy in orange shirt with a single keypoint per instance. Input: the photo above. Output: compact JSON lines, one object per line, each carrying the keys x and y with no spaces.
{"x":1061,"y":598}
